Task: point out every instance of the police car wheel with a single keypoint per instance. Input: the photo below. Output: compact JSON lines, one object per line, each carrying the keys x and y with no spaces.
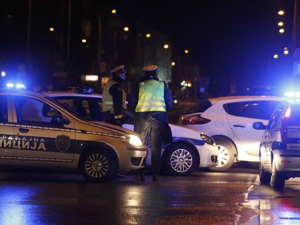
{"x":180,"y":160}
{"x":98,"y":165}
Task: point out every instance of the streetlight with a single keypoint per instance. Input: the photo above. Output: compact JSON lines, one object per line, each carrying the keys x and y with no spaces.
{"x":280,"y":12}
{"x":280,"y":24}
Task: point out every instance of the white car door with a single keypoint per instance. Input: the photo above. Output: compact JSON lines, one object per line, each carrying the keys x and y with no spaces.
{"x":241,"y":117}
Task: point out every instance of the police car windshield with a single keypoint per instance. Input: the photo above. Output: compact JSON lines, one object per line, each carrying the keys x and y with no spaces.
{"x":68,"y":109}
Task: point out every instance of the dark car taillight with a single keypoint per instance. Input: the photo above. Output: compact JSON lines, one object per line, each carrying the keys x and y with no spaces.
{"x":195,"y":120}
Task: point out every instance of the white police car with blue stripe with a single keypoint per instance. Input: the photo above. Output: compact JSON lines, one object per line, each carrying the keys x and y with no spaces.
{"x":189,"y":150}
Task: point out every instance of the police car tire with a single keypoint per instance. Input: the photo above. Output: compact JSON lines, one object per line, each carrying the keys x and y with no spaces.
{"x":180,"y":160}
{"x":98,"y":165}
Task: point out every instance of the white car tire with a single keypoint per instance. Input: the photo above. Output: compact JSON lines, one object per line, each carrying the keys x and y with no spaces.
{"x":180,"y":160}
{"x":97,"y":165}
{"x":277,"y":179}
{"x":225,"y":156}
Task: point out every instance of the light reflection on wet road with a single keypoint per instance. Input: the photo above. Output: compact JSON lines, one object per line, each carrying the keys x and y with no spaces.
{"x":233,"y":197}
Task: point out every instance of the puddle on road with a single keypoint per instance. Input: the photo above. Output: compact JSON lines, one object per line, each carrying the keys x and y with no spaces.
{"x":274,"y":211}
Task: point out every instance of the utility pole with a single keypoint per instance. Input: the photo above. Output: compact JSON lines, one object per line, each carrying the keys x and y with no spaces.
{"x":296,"y":26}
{"x":29,"y":35}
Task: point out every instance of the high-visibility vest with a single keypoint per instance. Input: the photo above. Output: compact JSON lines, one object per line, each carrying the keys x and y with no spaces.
{"x":107,"y":100}
{"x":151,"y":97}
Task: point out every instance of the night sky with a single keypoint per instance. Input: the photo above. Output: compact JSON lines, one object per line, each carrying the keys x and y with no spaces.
{"x":235,"y":38}
{"x":231,"y":40}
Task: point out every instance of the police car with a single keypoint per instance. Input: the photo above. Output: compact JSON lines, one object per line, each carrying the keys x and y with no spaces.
{"x":38,"y":131}
{"x":189,"y":150}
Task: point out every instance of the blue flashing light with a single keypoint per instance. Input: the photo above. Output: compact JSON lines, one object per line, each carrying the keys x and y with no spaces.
{"x":20,"y":86}
{"x":17,"y":86}
{"x":10,"y":85}
{"x":292,"y":94}
{"x":81,"y":90}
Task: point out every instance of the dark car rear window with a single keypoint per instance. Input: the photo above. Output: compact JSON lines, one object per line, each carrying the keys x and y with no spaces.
{"x":201,"y":107}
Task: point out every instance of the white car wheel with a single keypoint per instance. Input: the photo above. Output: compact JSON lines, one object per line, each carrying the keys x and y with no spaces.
{"x":225,"y":156}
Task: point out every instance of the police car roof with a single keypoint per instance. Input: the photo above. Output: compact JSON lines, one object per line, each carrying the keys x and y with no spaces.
{"x":20,"y":91}
{"x":68,"y":93}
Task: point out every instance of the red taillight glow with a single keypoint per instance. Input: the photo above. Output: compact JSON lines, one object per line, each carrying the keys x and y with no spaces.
{"x":287,"y":115}
{"x":288,"y":112}
{"x":196,"y":120}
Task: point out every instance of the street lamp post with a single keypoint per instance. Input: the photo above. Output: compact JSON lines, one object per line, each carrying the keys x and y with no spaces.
{"x":29,"y":34}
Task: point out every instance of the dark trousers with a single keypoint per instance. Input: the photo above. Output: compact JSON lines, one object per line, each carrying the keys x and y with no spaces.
{"x":149,"y":125}
{"x":108,"y":117}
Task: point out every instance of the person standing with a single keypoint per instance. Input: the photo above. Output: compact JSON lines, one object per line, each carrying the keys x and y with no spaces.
{"x":114,"y":97}
{"x":150,"y":100}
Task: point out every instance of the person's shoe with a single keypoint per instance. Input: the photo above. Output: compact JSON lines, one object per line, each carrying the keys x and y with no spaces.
{"x":155,"y":178}
{"x":140,"y":176}
{"x":120,"y":175}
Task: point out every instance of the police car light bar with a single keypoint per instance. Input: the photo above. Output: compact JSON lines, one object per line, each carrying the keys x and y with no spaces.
{"x":10,"y":85}
{"x":81,"y":90}
{"x":18,"y":85}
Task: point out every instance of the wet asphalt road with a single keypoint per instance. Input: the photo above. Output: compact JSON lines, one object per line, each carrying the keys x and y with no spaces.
{"x":232,"y":197}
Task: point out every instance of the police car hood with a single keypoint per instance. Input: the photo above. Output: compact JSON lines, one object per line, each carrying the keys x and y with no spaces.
{"x":177,"y":131}
{"x":121,"y":130}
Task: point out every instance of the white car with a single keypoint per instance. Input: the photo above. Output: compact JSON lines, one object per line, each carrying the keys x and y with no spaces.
{"x":189,"y":150}
{"x":229,"y":121}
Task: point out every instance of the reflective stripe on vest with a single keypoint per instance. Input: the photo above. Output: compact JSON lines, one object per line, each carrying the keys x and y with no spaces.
{"x":151,"y":97}
{"x":107,"y":100}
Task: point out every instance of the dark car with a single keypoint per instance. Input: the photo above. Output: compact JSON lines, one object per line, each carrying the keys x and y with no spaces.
{"x":280,"y":146}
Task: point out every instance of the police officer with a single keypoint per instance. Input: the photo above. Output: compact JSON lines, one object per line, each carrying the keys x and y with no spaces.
{"x":150,"y":100}
{"x":114,"y":97}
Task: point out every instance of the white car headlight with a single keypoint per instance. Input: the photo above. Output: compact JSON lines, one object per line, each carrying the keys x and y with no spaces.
{"x":135,"y":140}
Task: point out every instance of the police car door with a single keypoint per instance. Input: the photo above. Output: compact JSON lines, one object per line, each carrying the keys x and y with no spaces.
{"x":39,"y":140}
{"x":6,"y":131}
